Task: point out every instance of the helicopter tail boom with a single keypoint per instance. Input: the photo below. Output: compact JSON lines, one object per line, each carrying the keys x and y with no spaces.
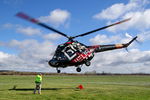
{"x":102,"y":48}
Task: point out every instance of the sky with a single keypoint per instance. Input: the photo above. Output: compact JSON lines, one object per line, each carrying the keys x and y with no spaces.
{"x":25,"y":46}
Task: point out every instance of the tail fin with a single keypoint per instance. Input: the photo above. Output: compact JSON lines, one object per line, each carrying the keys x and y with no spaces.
{"x":127,"y":44}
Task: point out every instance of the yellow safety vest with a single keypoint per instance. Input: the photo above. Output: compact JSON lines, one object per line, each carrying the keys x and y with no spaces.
{"x":38,"y":79}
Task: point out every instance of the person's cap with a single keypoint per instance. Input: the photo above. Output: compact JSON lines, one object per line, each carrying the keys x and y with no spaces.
{"x":39,"y":73}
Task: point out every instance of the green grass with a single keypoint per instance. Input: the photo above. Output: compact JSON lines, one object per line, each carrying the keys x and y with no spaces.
{"x":60,"y":87}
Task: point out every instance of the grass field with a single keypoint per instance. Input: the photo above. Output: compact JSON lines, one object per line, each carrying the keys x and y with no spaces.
{"x":63,"y":87}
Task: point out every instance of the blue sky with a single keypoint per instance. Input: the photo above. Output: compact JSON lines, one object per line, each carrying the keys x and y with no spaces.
{"x":23,"y":45}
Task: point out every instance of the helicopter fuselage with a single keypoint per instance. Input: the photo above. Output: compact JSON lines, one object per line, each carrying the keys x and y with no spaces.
{"x":71,"y":53}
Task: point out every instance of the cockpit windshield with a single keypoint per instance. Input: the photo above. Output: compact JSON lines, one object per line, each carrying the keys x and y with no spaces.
{"x":59,"y":55}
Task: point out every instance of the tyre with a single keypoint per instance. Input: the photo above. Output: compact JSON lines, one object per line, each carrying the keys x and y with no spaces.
{"x":58,"y":71}
{"x":78,"y":69}
{"x":87,"y":63}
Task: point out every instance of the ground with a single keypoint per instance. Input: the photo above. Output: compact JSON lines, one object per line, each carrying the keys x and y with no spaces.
{"x":63,"y":87}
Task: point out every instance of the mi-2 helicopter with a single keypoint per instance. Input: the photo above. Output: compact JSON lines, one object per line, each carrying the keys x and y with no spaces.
{"x":74,"y":53}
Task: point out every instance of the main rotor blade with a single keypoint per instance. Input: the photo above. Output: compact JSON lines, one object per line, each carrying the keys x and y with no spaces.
{"x":102,"y":28}
{"x":26,"y":17}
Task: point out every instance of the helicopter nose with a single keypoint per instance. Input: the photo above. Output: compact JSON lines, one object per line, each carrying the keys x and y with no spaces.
{"x":53,"y":63}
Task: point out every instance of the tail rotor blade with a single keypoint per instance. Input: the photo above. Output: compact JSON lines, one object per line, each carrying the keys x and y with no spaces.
{"x":139,"y":42}
{"x":128,"y":35}
{"x":127,"y":49}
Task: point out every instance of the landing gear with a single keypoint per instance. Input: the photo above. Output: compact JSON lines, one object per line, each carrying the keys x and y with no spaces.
{"x":58,"y":70}
{"x":78,"y":69}
{"x":87,"y":63}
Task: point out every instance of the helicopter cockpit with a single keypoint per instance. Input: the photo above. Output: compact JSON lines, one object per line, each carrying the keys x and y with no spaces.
{"x":66,"y":52}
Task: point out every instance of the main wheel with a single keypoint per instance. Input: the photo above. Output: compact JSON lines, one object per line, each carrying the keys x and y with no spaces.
{"x":78,"y":69}
{"x":58,"y":71}
{"x":87,"y":63}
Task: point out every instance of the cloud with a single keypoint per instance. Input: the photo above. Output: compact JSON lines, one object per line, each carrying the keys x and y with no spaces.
{"x":7,"y":25}
{"x":51,"y":36}
{"x":3,"y":56}
{"x":10,"y":26}
{"x":120,"y":61}
{"x":112,"y":12}
{"x":117,"y":10}
{"x":32,"y":55}
{"x":139,"y":21}
{"x":144,"y":36}
{"x":32,"y":47}
{"x":134,"y":9}
{"x":57,"y":17}
{"x":103,"y":39}
{"x":28,"y":31}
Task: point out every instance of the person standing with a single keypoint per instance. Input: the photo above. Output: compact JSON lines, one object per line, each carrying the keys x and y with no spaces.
{"x":38,"y":82}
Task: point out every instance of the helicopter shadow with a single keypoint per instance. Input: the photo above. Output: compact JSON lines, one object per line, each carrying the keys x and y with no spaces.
{"x":31,"y":89}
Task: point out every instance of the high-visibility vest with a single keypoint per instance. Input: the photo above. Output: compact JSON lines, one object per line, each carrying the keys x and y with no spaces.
{"x":38,"y":79}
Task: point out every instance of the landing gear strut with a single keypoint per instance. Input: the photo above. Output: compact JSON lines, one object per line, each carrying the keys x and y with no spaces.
{"x":58,"y":70}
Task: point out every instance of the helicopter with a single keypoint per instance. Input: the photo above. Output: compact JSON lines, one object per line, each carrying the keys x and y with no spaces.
{"x":74,"y":53}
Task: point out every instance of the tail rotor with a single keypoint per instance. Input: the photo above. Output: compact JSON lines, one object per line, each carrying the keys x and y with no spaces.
{"x":131,"y":37}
